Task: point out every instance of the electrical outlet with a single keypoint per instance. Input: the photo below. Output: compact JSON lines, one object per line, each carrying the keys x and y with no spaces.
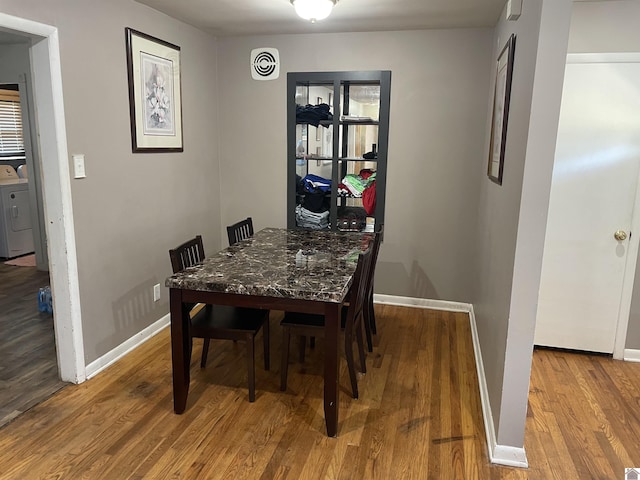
{"x":156,"y":292}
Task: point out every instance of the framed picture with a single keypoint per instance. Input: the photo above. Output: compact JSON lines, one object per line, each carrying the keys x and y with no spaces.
{"x":155,"y":106}
{"x":501,"y":97}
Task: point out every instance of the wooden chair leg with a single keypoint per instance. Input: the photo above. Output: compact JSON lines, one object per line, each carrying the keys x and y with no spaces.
{"x":372,"y":315}
{"x":205,"y":352}
{"x":266,"y":342}
{"x":284,"y":367}
{"x":367,"y":327}
{"x":348,"y":350}
{"x":252,"y":367}
{"x":363,"y":358}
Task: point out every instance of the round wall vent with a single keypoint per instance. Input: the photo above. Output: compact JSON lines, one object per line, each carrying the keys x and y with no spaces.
{"x":265,"y":63}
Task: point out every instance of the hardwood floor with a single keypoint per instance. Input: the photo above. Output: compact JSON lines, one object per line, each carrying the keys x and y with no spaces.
{"x":418,"y":416}
{"x":584,"y":416}
{"x":28,"y":365}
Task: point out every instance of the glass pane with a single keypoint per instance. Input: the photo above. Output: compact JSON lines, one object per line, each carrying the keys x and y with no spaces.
{"x":362,"y":141}
{"x":364,"y":102}
{"x":314,"y":142}
{"x":313,"y":197}
{"x":319,"y":94}
{"x":302,"y":94}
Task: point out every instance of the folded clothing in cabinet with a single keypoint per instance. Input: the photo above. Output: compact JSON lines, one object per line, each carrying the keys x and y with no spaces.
{"x":313,"y":114}
{"x":314,"y":220}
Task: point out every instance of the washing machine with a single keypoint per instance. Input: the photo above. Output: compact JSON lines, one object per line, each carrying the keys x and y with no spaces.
{"x":16,"y":235}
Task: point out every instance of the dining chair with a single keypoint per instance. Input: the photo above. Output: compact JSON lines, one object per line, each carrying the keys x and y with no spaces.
{"x":240,"y":230}
{"x":369,"y":314}
{"x":222,"y":322}
{"x":352,"y":317}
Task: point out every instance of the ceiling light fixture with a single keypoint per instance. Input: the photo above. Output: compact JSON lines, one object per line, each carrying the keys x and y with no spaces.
{"x":313,"y":10}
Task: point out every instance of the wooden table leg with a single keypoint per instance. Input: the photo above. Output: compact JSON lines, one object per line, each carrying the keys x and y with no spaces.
{"x":331,"y":363}
{"x":180,"y":350}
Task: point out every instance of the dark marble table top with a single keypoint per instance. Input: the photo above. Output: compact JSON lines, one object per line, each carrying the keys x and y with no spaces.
{"x":297,"y":264}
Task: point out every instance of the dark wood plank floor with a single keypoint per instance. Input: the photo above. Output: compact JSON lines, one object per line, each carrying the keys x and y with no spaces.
{"x":28,"y":364}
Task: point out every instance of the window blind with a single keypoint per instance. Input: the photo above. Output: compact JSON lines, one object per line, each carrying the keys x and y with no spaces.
{"x":11,"y":139}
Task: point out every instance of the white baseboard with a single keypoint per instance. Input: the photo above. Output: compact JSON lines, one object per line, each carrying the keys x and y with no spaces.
{"x":509,"y":456}
{"x":121,"y":350}
{"x":498,"y":454}
{"x":421,"y":303}
{"x":631,"y":355}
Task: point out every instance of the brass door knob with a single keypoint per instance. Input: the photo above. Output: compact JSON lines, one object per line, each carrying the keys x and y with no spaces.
{"x":620,"y":235}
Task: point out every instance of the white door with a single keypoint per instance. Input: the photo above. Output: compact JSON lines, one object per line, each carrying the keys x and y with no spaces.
{"x":593,"y":191}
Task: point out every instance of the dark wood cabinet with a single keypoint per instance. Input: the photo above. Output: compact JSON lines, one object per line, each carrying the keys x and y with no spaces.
{"x":337,"y":139}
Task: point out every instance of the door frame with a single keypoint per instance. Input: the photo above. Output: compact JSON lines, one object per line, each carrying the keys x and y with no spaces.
{"x":624,"y":309}
{"x":58,"y":210}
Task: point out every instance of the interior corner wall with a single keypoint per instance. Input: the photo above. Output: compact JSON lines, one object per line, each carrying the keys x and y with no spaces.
{"x":439,"y":89}
{"x":512,"y":216}
{"x":610,"y":27}
{"x":14,"y":60}
{"x":131,"y":208}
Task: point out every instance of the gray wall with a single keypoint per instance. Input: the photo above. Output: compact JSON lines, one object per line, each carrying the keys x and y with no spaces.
{"x":439,"y":88}
{"x":512,"y":217}
{"x":451,"y":234}
{"x":131,"y":208}
{"x":14,"y":60}
{"x":605,"y":27}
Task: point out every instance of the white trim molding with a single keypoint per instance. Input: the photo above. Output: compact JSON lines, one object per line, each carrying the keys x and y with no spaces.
{"x":49,"y":108}
{"x":498,"y":454}
{"x":421,"y":303}
{"x":607,"y":57}
{"x":127,"y":346}
{"x":509,"y":456}
{"x":631,"y":355}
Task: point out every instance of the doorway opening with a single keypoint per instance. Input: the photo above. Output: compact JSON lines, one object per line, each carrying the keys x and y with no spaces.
{"x":46,"y":76}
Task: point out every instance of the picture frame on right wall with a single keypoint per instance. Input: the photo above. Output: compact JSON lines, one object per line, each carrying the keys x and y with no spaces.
{"x":500,"y":116}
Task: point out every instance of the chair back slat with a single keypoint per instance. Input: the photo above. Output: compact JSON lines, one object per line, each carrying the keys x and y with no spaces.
{"x":377,"y":241}
{"x":187,"y":255}
{"x":240,"y":231}
{"x":358,"y":290}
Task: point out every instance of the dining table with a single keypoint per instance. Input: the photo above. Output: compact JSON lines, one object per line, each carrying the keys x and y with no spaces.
{"x":295,"y":270}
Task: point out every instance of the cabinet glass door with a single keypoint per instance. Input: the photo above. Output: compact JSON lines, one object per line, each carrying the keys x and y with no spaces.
{"x":359,"y":126}
{"x":314,"y":154}
{"x":337,"y":136}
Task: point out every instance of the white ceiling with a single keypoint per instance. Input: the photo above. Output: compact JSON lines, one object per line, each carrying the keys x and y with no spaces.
{"x":256,"y":17}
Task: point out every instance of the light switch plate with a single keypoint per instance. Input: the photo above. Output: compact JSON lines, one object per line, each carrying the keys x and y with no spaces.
{"x":78,"y":166}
